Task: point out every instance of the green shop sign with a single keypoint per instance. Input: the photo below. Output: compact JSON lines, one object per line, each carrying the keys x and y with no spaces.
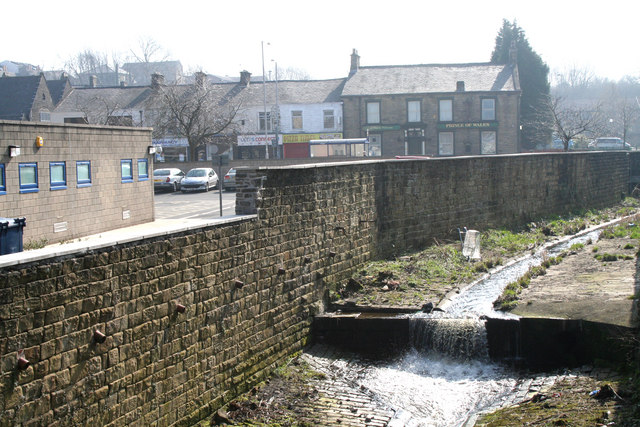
{"x":382,"y":127}
{"x":471,"y":125}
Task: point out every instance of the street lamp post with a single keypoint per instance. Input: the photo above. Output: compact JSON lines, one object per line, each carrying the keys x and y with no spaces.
{"x":277,"y":114}
{"x":264,"y":97}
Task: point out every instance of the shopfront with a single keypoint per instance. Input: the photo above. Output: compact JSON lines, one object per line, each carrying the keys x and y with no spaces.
{"x":173,"y":149}
{"x":296,"y":146}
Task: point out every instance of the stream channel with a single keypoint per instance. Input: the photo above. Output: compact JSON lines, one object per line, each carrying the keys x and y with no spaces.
{"x":447,"y":378}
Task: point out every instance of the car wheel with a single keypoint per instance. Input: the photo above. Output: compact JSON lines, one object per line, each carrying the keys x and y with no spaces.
{"x":175,"y":187}
{"x":206,"y":187}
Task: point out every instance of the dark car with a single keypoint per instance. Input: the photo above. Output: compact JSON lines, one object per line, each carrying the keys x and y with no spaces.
{"x":229,"y":181}
{"x":167,"y":179}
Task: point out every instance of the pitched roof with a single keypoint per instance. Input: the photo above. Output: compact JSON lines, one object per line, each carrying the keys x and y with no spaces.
{"x":430,"y":78}
{"x":58,"y":88}
{"x":113,"y":97}
{"x":294,"y":92}
{"x":17,"y":95}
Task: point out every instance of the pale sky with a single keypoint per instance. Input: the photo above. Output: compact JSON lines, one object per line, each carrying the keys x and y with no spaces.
{"x":225,"y":37}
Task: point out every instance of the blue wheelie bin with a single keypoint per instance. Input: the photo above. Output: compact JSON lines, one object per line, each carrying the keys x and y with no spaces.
{"x":11,"y":235}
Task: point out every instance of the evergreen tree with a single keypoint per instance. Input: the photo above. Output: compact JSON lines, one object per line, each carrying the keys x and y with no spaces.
{"x":534,"y":82}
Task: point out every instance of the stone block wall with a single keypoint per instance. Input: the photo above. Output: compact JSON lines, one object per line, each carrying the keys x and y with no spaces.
{"x":250,"y":287}
{"x":421,"y":200}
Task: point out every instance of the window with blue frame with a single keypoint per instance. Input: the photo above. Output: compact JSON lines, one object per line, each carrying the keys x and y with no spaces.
{"x":3,"y":180}
{"x":83,"y":173}
{"x":58,"y":175}
{"x":28,"y":174}
{"x":143,"y":169}
{"x":126,"y":169}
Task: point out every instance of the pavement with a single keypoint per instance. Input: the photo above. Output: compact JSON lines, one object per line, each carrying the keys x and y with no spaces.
{"x":104,"y":239}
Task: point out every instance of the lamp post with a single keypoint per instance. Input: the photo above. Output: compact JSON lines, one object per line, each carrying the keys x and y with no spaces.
{"x":264,"y":98}
{"x":277,"y":113}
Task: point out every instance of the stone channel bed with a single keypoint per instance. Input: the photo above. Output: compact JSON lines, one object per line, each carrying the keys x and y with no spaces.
{"x":329,"y":398}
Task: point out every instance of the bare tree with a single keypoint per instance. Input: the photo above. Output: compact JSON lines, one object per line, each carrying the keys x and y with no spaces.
{"x":203,"y":113}
{"x":91,"y":62}
{"x":571,"y":120}
{"x":292,"y":73}
{"x":99,"y":107}
{"x":148,"y":51}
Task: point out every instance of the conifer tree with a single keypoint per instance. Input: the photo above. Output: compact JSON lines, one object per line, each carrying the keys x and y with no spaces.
{"x":534,"y":82}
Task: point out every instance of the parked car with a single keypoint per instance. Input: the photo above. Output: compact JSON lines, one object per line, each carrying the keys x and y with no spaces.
{"x":609,"y":143}
{"x":229,"y":180}
{"x":199,"y":179}
{"x":167,"y":179}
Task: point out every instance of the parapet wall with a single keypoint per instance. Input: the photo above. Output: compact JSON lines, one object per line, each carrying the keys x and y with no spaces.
{"x":249,"y":287}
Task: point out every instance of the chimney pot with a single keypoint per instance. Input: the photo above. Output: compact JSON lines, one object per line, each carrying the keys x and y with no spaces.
{"x":200,"y":78}
{"x":245,"y":78}
{"x":157,"y":80}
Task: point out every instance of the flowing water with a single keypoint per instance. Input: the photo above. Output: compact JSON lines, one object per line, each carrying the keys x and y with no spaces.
{"x":448,"y":377}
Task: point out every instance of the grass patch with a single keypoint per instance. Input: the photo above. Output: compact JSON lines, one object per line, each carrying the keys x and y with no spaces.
{"x":509,"y":298}
{"x":607,"y":257}
{"x":35,"y":244}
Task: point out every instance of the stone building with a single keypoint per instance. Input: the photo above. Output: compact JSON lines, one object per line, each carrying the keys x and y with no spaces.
{"x":31,"y":98}
{"x":435,"y":109}
{"x":71,"y":181}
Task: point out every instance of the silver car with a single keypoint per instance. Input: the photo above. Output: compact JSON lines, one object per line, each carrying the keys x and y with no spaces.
{"x":167,"y":179}
{"x":229,"y":180}
{"x":199,"y":179}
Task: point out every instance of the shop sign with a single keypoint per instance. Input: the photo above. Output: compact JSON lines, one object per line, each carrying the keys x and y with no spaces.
{"x":306,"y":137}
{"x":171,"y":142}
{"x":379,"y":128}
{"x":471,"y":125}
{"x":254,"y":140}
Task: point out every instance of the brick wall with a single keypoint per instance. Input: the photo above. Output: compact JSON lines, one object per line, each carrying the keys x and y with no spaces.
{"x":106,"y":204}
{"x":249,"y":287}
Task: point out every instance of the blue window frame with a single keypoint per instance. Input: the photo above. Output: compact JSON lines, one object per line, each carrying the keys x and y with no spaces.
{"x":28,"y":174}
{"x":143,"y":169}
{"x":3,"y":180}
{"x":83,"y":173}
{"x":58,"y":175}
{"x":126,"y":170}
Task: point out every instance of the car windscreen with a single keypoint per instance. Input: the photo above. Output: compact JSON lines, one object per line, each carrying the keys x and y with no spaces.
{"x":197,"y":172}
{"x":162,"y":172}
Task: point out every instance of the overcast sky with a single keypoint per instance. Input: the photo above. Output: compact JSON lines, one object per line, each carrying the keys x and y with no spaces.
{"x":225,"y":37}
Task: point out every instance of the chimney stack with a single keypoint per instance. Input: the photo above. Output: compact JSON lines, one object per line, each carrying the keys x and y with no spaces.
{"x":355,"y":62}
{"x":157,"y":80}
{"x":93,"y":81}
{"x":200,"y":78}
{"x":245,"y":78}
{"x":460,"y":86}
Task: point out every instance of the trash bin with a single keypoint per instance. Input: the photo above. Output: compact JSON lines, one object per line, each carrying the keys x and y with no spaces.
{"x":11,"y":235}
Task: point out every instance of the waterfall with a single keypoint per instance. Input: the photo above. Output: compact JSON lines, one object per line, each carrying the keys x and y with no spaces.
{"x":460,"y":339}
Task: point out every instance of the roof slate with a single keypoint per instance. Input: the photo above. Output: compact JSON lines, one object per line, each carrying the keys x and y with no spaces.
{"x":430,"y":78}
{"x":120,"y":97}
{"x":294,"y":92}
{"x":17,"y":95}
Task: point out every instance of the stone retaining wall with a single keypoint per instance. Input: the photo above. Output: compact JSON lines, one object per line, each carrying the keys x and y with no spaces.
{"x":249,"y":288}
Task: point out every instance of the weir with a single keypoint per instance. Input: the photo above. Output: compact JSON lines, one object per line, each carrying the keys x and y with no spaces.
{"x":449,"y":365}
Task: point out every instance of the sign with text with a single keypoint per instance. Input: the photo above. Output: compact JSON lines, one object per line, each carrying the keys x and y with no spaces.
{"x":254,"y":140}
{"x":473,"y":125}
{"x":306,"y":137}
{"x":171,"y":142}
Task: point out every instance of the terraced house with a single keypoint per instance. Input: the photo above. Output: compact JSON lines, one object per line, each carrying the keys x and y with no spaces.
{"x":434,"y":109}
